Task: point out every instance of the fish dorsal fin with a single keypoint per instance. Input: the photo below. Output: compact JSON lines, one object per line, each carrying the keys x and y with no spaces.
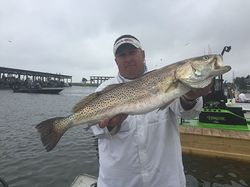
{"x":92,"y":96}
{"x":110,"y":87}
{"x":84,"y":101}
{"x":198,"y":84}
{"x":149,"y":72}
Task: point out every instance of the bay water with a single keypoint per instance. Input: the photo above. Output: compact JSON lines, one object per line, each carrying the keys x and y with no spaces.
{"x":25,"y":163}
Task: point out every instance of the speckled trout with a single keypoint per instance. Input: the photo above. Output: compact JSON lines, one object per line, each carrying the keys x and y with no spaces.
{"x":154,"y":90}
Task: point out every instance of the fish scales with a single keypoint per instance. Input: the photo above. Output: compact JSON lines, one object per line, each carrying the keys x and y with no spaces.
{"x":133,"y":95}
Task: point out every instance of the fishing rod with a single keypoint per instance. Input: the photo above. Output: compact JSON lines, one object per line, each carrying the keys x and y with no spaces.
{"x":225,"y":49}
{"x":217,"y":93}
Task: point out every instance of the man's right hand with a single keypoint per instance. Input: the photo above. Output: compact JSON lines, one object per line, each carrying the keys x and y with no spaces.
{"x":114,"y":121}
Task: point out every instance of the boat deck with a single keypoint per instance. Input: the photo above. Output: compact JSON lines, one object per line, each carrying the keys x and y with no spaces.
{"x":225,"y":141}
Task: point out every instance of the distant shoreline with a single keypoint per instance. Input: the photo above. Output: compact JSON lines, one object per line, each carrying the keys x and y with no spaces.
{"x":83,"y":84}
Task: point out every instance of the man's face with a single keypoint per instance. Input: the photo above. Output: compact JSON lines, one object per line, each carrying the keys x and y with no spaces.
{"x":130,"y":62}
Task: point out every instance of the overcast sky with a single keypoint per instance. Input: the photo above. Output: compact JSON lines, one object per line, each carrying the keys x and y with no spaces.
{"x":75,"y":37}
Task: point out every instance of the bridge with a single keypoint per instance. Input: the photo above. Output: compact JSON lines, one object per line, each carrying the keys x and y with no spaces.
{"x":97,"y":80}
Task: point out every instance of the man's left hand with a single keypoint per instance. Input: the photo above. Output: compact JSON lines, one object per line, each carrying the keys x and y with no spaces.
{"x":188,"y":100}
{"x":195,"y":93}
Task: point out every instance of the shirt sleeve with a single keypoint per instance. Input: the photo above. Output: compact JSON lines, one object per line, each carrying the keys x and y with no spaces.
{"x":97,"y":131}
{"x":100,"y":132}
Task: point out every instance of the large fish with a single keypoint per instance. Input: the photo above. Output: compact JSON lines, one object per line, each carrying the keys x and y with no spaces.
{"x":154,"y":90}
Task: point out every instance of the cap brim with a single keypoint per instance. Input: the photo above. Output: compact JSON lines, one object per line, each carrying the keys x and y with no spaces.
{"x":125,"y":47}
{"x":128,"y":41}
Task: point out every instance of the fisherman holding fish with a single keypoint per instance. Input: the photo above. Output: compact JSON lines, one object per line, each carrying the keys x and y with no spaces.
{"x":136,"y":116}
{"x":142,"y":150}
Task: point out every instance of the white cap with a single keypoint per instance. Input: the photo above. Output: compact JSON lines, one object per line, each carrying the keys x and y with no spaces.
{"x":126,"y":40}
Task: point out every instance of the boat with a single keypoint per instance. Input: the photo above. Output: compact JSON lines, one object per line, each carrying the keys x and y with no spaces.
{"x":218,"y":132}
{"x":39,"y":90}
{"x":220,"y":135}
{"x":84,"y":180}
{"x":221,"y":130}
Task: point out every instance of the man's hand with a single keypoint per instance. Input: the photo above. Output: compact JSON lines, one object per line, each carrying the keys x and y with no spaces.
{"x":113,"y":123}
{"x":195,"y":93}
{"x":188,"y":100}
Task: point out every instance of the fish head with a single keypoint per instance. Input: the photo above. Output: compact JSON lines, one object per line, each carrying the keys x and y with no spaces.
{"x":198,"y":72}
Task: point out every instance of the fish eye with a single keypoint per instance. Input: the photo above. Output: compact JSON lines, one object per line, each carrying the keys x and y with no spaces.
{"x":206,"y":57}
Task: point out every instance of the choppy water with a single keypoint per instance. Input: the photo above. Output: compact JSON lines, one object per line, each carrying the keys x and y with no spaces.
{"x":25,"y":163}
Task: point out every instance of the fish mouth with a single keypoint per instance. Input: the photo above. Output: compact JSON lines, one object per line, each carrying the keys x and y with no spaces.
{"x":219,"y":71}
{"x":205,"y":77}
{"x":219,"y":67}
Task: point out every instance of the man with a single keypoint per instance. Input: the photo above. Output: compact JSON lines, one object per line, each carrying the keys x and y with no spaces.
{"x":142,"y":150}
{"x":242,"y":98}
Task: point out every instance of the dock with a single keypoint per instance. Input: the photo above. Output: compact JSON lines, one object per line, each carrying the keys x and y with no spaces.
{"x":10,"y":77}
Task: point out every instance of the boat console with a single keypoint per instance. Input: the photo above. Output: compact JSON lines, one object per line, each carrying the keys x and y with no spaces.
{"x":215,"y":109}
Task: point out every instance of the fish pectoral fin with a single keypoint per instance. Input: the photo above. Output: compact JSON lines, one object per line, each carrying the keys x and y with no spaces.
{"x":171,"y":85}
{"x":197,"y":84}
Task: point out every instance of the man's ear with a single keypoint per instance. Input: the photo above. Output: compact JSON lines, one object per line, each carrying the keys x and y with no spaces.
{"x":143,"y":53}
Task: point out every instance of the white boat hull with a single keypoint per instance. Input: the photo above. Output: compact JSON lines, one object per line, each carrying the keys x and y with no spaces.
{"x":84,"y":180}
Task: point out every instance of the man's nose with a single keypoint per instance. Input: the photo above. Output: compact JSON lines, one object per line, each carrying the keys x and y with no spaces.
{"x":127,"y":58}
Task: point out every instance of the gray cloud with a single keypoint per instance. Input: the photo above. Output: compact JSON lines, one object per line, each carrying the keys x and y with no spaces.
{"x":76,"y":37}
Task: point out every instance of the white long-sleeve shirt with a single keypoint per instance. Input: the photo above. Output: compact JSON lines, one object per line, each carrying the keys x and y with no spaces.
{"x":146,"y":152}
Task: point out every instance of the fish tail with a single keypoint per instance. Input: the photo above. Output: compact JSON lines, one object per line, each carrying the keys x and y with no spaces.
{"x":51,"y":131}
